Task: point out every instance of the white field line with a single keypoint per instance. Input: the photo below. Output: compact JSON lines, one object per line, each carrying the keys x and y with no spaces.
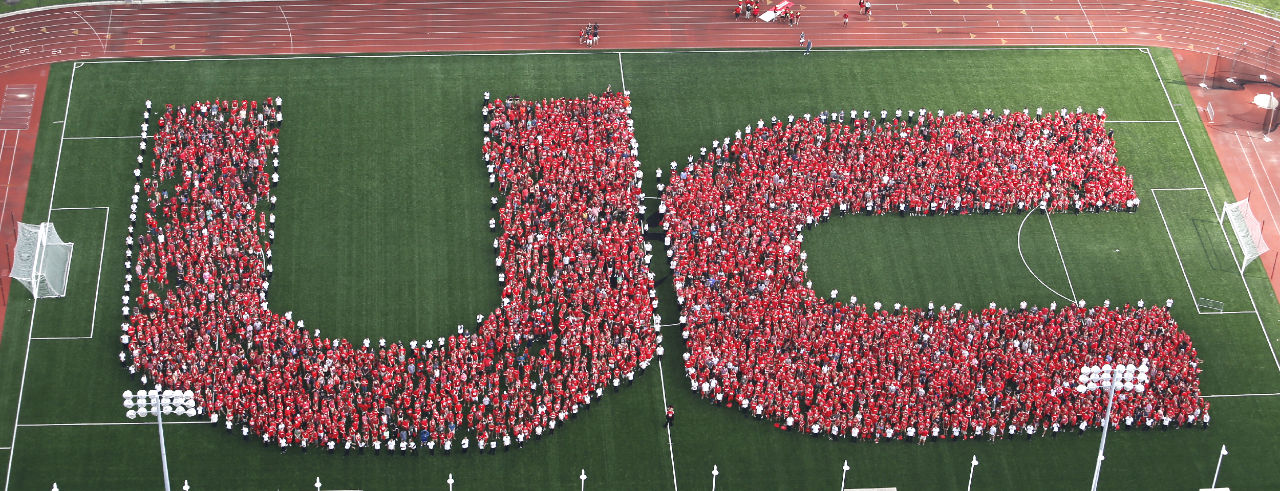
{"x":1231,"y":312}
{"x":97,"y":288}
{"x":622,"y":72}
{"x":1176,"y":254}
{"x":1242,"y":395}
{"x":22,"y":385}
{"x":26,"y":357}
{"x":1172,"y":109}
{"x":123,"y":423}
{"x":1028,"y":266}
{"x":588,"y":53}
{"x":670,"y":446}
{"x":1109,"y":121}
{"x":1061,"y":256}
{"x":662,"y":377}
{"x":105,"y":137}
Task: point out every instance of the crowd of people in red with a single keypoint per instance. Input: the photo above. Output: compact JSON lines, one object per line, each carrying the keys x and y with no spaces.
{"x":576,"y":315}
{"x":761,"y":339}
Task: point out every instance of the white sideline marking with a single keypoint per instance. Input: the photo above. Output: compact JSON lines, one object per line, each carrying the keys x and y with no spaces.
{"x":1028,"y":266}
{"x":1176,"y":254}
{"x":588,"y":53}
{"x":1060,"y":256}
{"x":125,"y":423}
{"x":1243,"y":395}
{"x":1109,"y":121}
{"x":1266,"y":336}
{"x":26,"y":357}
{"x":104,"y":137}
{"x":670,"y":446}
{"x":622,"y":72}
{"x":662,"y":377}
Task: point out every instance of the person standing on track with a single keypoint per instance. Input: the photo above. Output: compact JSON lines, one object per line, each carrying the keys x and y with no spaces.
{"x":846,"y":19}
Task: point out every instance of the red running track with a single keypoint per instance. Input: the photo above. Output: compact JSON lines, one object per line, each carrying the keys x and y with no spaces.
{"x":31,"y":39}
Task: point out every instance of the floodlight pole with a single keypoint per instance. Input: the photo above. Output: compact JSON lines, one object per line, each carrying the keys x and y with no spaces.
{"x":1221,"y":454}
{"x":1106,"y":425}
{"x":715,"y":471}
{"x":843,"y":473}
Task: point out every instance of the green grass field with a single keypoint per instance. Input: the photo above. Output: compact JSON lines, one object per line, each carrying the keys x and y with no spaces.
{"x":383,"y":232}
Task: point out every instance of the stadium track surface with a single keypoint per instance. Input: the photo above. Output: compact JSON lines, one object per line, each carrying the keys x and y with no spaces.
{"x":32,"y":39}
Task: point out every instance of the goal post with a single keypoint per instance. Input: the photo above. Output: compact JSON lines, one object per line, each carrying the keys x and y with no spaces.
{"x":41,"y":260}
{"x":1247,"y":229}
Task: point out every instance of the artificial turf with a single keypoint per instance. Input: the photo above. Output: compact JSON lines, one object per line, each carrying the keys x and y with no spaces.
{"x":382,"y":232}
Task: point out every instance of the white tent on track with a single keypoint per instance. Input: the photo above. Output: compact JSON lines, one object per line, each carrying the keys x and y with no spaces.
{"x":42,"y":261}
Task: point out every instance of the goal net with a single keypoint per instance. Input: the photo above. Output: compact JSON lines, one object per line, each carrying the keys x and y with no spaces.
{"x":42,"y":260}
{"x":1247,"y":228}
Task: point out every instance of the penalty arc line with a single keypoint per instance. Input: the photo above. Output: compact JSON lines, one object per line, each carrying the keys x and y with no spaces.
{"x":1028,"y":266}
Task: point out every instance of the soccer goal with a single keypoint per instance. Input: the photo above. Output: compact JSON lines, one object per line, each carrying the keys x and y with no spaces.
{"x":1247,"y":228}
{"x":42,"y":260}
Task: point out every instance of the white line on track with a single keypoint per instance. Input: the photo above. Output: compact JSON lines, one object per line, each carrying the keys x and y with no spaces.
{"x":4,"y":208}
{"x":287,"y":27}
{"x":1249,"y":162}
